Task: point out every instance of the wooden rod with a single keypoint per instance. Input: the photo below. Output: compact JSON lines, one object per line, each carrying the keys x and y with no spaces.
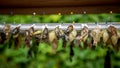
{"x":63,"y":26}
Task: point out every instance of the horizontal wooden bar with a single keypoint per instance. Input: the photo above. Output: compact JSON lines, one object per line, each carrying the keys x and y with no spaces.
{"x":58,"y":6}
{"x":62,"y":10}
{"x":55,"y":3}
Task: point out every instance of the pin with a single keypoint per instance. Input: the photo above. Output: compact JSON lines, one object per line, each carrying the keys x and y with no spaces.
{"x":12,"y":14}
{"x":59,"y":14}
{"x":33,"y":16}
{"x":84,"y":12}
{"x":72,"y":17}
{"x":34,"y":13}
{"x":71,"y":13}
{"x":20,"y":18}
{"x":84,"y":16}
{"x":110,"y":16}
{"x":61,"y":21}
{"x":110,"y":12}
{"x":4,"y":20}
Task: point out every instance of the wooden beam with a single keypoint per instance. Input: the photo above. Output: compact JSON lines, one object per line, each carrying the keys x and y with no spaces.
{"x":58,"y":6}
{"x":55,"y":3}
{"x":62,"y":10}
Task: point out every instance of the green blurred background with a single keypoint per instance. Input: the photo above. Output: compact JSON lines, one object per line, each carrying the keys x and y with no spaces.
{"x":60,"y":18}
{"x":86,"y":58}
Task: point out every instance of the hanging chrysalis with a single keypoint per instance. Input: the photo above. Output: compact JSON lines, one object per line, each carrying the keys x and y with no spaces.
{"x":61,"y":35}
{"x":31,"y":30}
{"x":7,"y":31}
{"x":37,"y":36}
{"x":2,"y":37}
{"x":16,"y":37}
{"x":113,"y":40}
{"x":72,"y":33}
{"x":53,"y":40}
{"x":34,"y":39}
{"x":27,"y":38}
{"x":5,"y":35}
{"x":96,"y":35}
{"x":82,"y":37}
{"x":44,"y":35}
{"x":105,"y":35}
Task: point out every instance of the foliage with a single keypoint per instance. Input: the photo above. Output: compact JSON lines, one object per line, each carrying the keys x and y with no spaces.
{"x":83,"y":58}
{"x":59,"y":18}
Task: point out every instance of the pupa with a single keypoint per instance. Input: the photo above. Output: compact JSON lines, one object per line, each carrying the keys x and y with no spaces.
{"x":16,"y":37}
{"x":54,"y":37}
{"x":5,"y":35}
{"x":71,"y":33}
{"x":96,"y":35}
{"x":27,"y":38}
{"x":113,"y":37}
{"x":83,"y":37}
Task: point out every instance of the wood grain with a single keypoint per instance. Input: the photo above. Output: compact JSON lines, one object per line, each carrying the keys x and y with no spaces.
{"x":58,"y":6}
